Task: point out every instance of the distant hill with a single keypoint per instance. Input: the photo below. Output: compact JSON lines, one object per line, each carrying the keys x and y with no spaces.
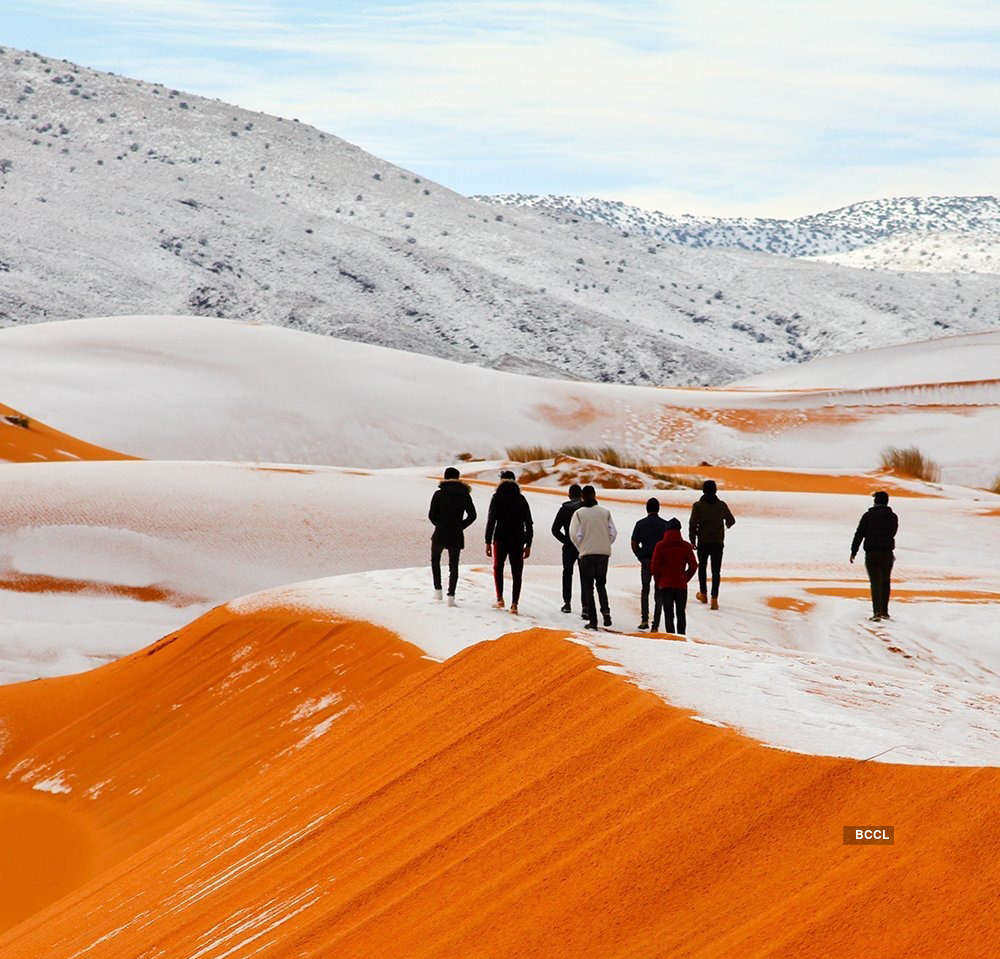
{"x":125,"y":197}
{"x":950,"y":233}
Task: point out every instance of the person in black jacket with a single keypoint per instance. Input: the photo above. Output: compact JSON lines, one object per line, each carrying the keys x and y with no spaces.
{"x":877,"y":530}
{"x":710,"y":518}
{"x":452,"y":512}
{"x":646,"y":534}
{"x":570,"y":556}
{"x":509,"y":531}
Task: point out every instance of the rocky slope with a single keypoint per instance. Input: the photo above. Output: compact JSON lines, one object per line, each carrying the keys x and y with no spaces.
{"x":124,"y":197}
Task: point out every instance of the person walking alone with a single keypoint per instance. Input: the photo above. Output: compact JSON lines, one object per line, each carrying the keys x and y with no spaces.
{"x":570,"y":556}
{"x":673,"y":565}
{"x":646,"y":534}
{"x":509,"y":532}
{"x":593,"y":531}
{"x":452,"y":512}
{"x":877,"y":531}
{"x":710,"y":518}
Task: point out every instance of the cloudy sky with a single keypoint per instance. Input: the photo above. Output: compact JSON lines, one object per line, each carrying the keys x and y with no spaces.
{"x":769,"y":107}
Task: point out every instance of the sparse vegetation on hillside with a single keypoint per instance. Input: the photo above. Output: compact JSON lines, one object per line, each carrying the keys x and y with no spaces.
{"x":909,"y":461}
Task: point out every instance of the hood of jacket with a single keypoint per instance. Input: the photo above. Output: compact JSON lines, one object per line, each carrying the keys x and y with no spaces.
{"x":508,"y":489}
{"x":453,"y":486}
{"x":671,"y":536}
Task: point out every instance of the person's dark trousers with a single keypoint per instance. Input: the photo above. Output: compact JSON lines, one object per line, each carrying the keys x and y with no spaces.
{"x":709,"y":552}
{"x":569,"y":562}
{"x":514,"y":552}
{"x":879,"y":564}
{"x":647,"y":577}
{"x":594,"y":571}
{"x":674,"y":600}
{"x":453,"y":552}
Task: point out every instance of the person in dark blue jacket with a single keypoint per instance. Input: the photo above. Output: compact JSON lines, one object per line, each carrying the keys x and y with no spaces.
{"x":646,"y":534}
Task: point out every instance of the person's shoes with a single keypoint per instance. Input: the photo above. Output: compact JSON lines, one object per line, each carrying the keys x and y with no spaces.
{"x":701,"y":597}
{"x":875,"y":618}
{"x":513,"y":608}
{"x":643,"y":626}
{"x":590,"y":626}
{"x":584,"y":615}
{"x":439,"y":594}
{"x":607,"y":619}
{"x":567,"y":608}
{"x":886,"y":616}
{"x":715,"y":602}
{"x":499,"y":604}
{"x":451,"y":601}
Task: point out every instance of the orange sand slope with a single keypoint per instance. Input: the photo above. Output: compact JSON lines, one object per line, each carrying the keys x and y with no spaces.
{"x":278,"y":786}
{"x":24,"y":440}
{"x":793,"y":481}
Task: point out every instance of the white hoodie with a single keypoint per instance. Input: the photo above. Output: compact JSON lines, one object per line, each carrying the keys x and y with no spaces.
{"x":592,"y":531}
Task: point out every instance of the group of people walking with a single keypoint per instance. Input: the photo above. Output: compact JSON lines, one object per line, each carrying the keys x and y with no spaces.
{"x":587,"y":533}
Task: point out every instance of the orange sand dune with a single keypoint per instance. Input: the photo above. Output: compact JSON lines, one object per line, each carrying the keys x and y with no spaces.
{"x":515,"y":801}
{"x":36,"y":442}
{"x":783,"y":481}
{"x":40,"y":583}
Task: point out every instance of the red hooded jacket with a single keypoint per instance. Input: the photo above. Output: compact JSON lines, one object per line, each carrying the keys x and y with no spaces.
{"x":673,"y":562}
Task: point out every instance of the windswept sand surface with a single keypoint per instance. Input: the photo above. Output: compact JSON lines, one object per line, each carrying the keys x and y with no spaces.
{"x":24,"y":440}
{"x":514,"y":801}
{"x":181,"y":387}
{"x":314,"y":758}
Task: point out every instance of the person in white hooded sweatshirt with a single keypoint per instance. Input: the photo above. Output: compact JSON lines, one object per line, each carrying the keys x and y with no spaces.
{"x":593,"y":531}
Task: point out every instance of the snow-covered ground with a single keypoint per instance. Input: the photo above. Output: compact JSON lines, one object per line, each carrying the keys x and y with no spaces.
{"x":955,"y":359}
{"x":935,"y":233}
{"x":923,"y":688}
{"x":126,"y":197}
{"x":202,"y":388}
{"x":787,"y":658}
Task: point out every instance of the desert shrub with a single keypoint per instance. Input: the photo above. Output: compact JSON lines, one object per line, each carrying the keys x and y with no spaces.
{"x":531,"y":476}
{"x":527,"y":454}
{"x":909,"y":461}
{"x":607,"y":455}
{"x":21,"y":421}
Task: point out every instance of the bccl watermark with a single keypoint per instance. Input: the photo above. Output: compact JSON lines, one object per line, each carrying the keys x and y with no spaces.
{"x":869,"y":835}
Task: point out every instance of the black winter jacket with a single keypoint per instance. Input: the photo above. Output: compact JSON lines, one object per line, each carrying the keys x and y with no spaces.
{"x":877,"y":530}
{"x":710,"y":518}
{"x":452,"y":512}
{"x":646,"y":534}
{"x":560,"y":525}
{"x":509,"y":519}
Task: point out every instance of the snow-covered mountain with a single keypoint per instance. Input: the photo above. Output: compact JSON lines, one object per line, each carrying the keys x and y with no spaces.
{"x":125,"y":197}
{"x":937,"y":234}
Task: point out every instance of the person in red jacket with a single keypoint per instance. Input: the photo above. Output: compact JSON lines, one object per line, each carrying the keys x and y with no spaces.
{"x":673,"y":565}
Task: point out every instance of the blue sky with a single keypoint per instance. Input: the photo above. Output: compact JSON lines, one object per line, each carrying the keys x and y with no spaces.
{"x":704,"y":106}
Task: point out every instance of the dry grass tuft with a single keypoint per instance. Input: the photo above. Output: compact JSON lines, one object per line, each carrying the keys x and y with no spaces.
{"x":606,"y":455}
{"x":910,"y":462}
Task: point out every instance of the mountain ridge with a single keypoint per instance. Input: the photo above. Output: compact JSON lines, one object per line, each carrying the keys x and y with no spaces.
{"x":126,"y":197}
{"x":830,"y":235}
